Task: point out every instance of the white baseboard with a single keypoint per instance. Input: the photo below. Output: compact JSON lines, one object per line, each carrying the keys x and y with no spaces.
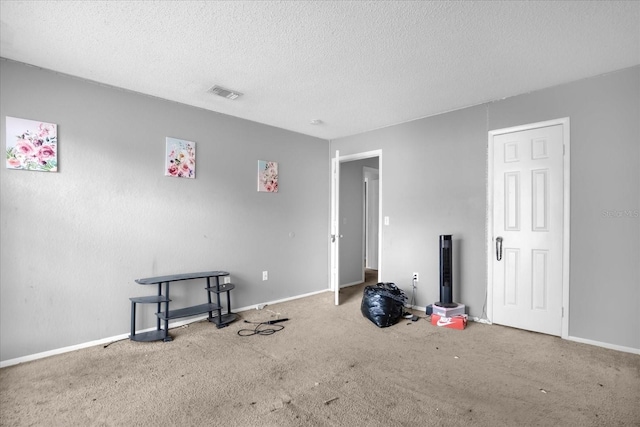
{"x":480,"y":320}
{"x":346,"y":285}
{"x":257,"y":306}
{"x":103,"y":341}
{"x":44,"y":354}
{"x":605,"y":345}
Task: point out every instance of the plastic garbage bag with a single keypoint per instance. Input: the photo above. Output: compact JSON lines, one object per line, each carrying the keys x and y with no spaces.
{"x":383,"y":304}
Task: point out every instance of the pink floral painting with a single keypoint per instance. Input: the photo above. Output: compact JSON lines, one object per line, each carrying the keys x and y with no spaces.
{"x":180,"y":158}
{"x":32,"y":145}
{"x":267,"y":176}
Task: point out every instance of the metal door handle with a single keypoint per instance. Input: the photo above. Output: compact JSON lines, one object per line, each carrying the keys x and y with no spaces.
{"x":498,"y":248}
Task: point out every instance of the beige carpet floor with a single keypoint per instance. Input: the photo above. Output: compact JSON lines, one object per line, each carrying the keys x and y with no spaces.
{"x":329,"y":366}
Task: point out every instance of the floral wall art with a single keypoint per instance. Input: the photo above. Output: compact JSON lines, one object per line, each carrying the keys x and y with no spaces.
{"x":32,"y":145}
{"x":180,"y":158}
{"x":267,"y":176}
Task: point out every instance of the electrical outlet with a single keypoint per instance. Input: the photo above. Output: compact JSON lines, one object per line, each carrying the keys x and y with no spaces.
{"x":265,"y":275}
{"x":416,"y":277}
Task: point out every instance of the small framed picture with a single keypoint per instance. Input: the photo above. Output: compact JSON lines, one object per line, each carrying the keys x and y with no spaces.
{"x":180,"y":158}
{"x":267,"y":176}
{"x":32,"y":145}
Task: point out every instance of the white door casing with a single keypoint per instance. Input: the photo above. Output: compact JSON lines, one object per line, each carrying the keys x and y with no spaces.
{"x":528,"y":201}
{"x":335,"y":227}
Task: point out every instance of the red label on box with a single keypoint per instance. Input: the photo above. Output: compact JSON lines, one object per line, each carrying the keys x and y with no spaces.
{"x":454,"y":322}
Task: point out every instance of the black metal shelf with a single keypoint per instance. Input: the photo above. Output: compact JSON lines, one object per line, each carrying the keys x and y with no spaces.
{"x":225,"y":319}
{"x":213,"y":308}
{"x":188,"y":311}
{"x":158,"y":334}
{"x":225,"y":287}
{"x":151,"y":336}
{"x":221,"y":320}
{"x":150,"y":299}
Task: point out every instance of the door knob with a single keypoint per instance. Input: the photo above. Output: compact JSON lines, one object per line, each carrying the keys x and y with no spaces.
{"x":498,"y":248}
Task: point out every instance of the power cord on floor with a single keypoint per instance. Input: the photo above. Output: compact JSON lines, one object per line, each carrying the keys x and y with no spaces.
{"x":413,"y":293}
{"x":412,"y":303}
{"x":260,"y":328}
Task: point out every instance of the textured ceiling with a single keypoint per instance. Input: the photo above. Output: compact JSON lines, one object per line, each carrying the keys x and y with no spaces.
{"x":356,"y":66}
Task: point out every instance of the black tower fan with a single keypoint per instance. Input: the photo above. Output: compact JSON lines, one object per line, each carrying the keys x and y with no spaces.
{"x":446,"y":272}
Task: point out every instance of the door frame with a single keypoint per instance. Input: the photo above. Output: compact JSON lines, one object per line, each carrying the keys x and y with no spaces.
{"x":343,"y":159}
{"x":366,"y":230}
{"x":566,"y":202}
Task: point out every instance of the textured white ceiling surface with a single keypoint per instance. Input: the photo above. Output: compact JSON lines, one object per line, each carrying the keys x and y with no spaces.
{"x":354,"y":65}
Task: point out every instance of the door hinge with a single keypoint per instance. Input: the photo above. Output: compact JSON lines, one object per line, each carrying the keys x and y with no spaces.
{"x":564,"y":149}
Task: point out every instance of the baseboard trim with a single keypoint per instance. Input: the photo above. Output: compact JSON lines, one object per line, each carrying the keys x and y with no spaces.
{"x":36,"y":356}
{"x":109,"y":340}
{"x":346,"y":285}
{"x":257,"y":306}
{"x":418,"y":307}
{"x":605,"y":345}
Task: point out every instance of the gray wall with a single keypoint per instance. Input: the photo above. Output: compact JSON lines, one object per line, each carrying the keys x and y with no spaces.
{"x":434,"y":182}
{"x":352,"y":219}
{"x":74,"y":241}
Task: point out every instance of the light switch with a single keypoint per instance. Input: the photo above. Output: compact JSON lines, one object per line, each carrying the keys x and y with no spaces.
{"x":386,"y":220}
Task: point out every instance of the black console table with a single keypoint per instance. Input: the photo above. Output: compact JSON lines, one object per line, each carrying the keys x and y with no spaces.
{"x":220,"y":319}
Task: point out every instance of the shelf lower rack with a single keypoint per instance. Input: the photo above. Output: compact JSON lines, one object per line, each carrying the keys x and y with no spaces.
{"x":188,"y":311}
{"x":225,"y":319}
{"x":150,"y":336}
{"x":226,"y":287}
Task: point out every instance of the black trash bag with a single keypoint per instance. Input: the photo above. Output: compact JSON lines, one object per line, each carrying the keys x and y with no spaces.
{"x":383,"y":304}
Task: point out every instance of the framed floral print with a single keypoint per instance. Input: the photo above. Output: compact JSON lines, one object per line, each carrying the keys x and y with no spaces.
{"x":267,"y":176}
{"x":180,"y":159}
{"x":32,"y":145}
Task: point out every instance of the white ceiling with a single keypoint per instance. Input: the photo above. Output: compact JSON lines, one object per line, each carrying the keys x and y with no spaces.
{"x":355,"y":65}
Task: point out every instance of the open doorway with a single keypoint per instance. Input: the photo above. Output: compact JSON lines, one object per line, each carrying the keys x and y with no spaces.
{"x":371,"y":217}
{"x":352,"y":194}
{"x":359,"y":218}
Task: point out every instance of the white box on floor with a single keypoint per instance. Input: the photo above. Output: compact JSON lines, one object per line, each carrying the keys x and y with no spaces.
{"x":448,"y":312}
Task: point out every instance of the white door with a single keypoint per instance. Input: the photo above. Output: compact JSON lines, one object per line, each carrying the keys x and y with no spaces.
{"x":335,"y":227}
{"x":528,"y":228}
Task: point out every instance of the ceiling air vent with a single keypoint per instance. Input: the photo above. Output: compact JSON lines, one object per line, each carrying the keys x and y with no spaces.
{"x":225,"y":93}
